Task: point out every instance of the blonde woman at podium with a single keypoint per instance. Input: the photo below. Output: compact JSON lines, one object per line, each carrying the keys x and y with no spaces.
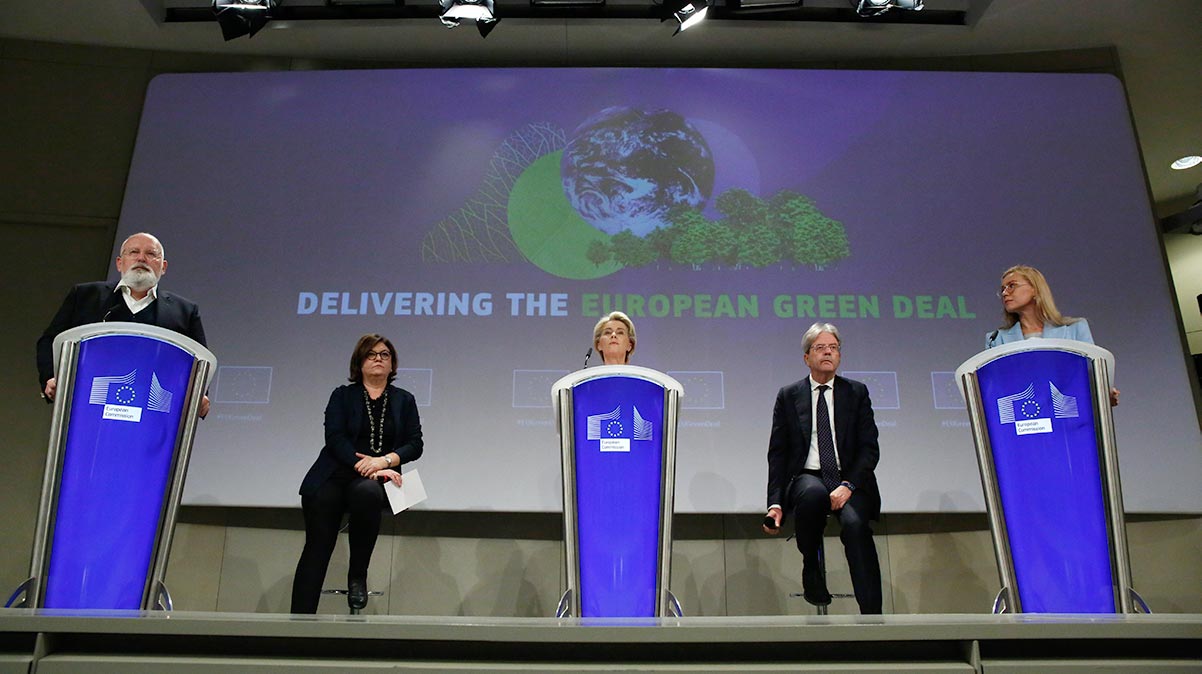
{"x":613,"y":338}
{"x":1029,"y":312}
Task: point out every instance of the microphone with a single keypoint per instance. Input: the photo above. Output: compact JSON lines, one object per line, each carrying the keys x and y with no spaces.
{"x":588,"y":355}
{"x":116,"y":301}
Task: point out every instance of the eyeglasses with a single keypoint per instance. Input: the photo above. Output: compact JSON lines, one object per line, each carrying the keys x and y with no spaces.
{"x":1009,"y":287}
{"x":833,"y":348}
{"x":379,"y":355}
{"x":151,"y":254}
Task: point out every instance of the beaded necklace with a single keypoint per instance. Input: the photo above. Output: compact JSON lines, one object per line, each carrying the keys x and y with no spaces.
{"x":375,"y":435}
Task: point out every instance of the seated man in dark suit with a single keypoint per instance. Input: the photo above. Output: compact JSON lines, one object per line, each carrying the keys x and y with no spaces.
{"x":136,"y":297}
{"x":813,"y":472}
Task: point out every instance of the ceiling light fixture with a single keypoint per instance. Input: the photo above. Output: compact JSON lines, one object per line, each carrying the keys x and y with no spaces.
{"x":242,"y":17}
{"x":878,"y":7}
{"x":691,"y":14}
{"x":752,"y":5}
{"x":1186,"y":162}
{"x":479,"y":11}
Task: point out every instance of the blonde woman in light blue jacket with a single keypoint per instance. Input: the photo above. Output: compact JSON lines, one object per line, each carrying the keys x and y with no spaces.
{"x":1030,"y":312}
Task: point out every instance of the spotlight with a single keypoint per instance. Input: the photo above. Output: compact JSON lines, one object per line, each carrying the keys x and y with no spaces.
{"x":480,"y":11}
{"x":1186,"y":162}
{"x":242,"y":17}
{"x":879,"y":7}
{"x":753,"y":5}
{"x":691,"y":14}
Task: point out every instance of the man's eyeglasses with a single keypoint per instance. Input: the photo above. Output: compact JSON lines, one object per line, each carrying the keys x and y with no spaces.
{"x":379,"y":355}
{"x":833,"y":348}
{"x":151,"y":254}
{"x":1009,"y":287}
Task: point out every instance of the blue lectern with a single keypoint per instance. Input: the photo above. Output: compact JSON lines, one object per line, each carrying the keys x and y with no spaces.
{"x":617,"y":431}
{"x":124,"y":418}
{"x":1041,"y":420}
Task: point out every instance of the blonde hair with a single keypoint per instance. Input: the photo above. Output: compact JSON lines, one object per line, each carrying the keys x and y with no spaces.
{"x":1045,"y":306}
{"x":621,"y":318}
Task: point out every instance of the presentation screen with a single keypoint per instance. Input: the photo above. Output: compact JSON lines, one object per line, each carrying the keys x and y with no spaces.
{"x":483,"y":219}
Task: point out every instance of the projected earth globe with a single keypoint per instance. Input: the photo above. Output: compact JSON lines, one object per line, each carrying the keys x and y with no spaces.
{"x":628,"y":168}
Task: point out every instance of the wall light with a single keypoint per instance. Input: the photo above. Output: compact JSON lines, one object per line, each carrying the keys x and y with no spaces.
{"x":1186,"y":162}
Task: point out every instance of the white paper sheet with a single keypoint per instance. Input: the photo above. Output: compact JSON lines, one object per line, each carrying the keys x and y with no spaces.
{"x":410,"y":493}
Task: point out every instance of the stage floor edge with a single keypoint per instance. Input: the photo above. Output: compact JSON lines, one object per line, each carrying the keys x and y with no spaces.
{"x":131,"y":641}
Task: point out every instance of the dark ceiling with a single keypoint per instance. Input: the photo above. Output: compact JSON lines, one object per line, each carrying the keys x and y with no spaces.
{"x":1156,"y":47}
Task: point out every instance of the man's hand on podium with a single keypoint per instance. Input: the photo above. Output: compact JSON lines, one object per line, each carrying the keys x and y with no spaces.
{"x":204,"y":407}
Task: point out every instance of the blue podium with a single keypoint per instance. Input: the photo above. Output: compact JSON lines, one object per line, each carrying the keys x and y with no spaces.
{"x":125,"y":415}
{"x":1041,"y":420}
{"x":617,"y":430}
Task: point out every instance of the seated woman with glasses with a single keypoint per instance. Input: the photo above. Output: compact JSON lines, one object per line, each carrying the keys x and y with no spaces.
{"x":1029,"y":312}
{"x":371,"y":428}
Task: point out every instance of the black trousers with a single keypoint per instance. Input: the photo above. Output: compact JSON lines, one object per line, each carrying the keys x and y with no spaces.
{"x":364,"y":500}
{"x":811,"y":505}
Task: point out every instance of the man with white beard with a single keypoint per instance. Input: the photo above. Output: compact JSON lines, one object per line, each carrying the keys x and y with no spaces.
{"x":135,"y":298}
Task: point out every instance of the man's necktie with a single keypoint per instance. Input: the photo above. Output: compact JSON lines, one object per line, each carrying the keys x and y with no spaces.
{"x":826,"y":443}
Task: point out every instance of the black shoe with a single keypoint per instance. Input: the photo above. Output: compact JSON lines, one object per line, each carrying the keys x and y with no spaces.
{"x":813,"y":585}
{"x":356,"y":593}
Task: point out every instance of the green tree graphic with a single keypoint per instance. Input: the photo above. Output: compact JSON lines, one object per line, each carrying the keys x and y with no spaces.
{"x":692,"y":247}
{"x":662,"y":238}
{"x":723,"y":244}
{"x":631,"y":251}
{"x":753,"y":232}
{"x":742,"y":209}
{"x":759,"y":246}
{"x":597,"y":253}
{"x":809,"y":236}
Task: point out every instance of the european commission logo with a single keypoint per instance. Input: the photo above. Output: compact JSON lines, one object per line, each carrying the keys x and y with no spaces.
{"x":120,"y":397}
{"x":611,"y":432}
{"x":1027,"y":414}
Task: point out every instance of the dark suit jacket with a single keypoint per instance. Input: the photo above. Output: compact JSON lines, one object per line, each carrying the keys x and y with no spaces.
{"x":346,"y":415}
{"x":855,"y":439}
{"x":90,"y":302}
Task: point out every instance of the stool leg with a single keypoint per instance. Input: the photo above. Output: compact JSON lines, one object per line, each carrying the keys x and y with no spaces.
{"x":823,"y":609}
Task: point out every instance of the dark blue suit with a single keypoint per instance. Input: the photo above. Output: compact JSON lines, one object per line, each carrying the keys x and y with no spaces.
{"x":804,"y":496}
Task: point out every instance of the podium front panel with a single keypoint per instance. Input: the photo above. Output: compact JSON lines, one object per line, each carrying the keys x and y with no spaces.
{"x":125,"y":418}
{"x":619,"y":435}
{"x":1039,"y":413}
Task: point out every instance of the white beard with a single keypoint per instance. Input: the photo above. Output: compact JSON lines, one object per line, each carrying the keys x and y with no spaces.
{"x":140,"y":280}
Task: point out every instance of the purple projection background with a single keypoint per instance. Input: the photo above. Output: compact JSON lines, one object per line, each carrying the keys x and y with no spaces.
{"x":302,"y":209}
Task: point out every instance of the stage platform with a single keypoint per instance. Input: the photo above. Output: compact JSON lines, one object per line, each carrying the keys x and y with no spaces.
{"x":50,"y":642}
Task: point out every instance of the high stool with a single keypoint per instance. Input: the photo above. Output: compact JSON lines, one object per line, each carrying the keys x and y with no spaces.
{"x":344,"y":592}
{"x":822,"y":608}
